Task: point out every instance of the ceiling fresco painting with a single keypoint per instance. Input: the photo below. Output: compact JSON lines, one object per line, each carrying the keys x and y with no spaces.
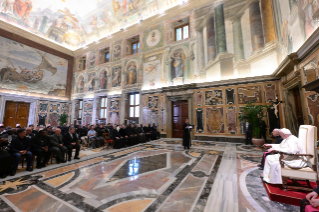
{"x":76,"y":23}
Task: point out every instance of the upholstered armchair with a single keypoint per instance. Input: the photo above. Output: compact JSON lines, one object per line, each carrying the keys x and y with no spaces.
{"x":308,"y":136}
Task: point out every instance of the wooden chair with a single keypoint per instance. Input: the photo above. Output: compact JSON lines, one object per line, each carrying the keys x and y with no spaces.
{"x":108,"y":140}
{"x":308,"y":136}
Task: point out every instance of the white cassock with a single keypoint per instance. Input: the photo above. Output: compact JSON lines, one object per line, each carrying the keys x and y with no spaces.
{"x":272,"y":168}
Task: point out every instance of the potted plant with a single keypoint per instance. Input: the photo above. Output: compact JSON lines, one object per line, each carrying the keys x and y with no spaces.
{"x":63,"y":119}
{"x":254,"y":115}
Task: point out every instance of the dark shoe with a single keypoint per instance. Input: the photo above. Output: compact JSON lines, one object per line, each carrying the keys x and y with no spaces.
{"x":63,"y":161}
{"x":261,"y":177}
{"x":13,"y":173}
{"x":261,"y":168}
{"x":29,"y":169}
{"x":69,"y":159}
{"x":58,"y":161}
{"x":39,"y":167}
{"x":3,"y":176}
{"x":77,"y":158}
{"x":43,"y":165}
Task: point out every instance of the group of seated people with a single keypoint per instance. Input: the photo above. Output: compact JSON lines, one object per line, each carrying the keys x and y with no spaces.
{"x":121,"y":135}
{"x":44,"y":142}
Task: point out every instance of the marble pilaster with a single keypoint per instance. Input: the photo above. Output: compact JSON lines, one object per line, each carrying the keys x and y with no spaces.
{"x":33,"y":113}
{"x":267,"y":20}
{"x":211,"y":43}
{"x":220,"y":29}
{"x":200,"y":50}
{"x":256,"y":29}
{"x":238,"y":40}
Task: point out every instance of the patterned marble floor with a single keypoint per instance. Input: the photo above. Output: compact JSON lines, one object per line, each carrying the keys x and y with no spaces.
{"x":158,"y":176}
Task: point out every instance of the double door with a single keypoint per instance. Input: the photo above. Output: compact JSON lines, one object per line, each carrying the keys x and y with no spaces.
{"x":16,"y":113}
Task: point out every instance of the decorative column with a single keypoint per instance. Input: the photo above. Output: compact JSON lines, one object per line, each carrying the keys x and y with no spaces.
{"x":268,"y":21}
{"x":95,"y":116}
{"x":211,"y":43}
{"x":44,"y":23}
{"x":200,"y":50}
{"x":220,"y":29}
{"x":238,"y":40}
{"x":256,"y":30}
{"x":32,"y":113}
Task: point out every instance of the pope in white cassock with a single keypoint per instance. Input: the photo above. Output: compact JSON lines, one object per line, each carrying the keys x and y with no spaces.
{"x":290,"y":145}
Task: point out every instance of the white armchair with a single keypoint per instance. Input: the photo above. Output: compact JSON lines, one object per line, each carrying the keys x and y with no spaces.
{"x":308,"y":136}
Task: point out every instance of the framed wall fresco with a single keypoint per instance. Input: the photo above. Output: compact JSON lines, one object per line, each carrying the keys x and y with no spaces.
{"x":54,"y":108}
{"x":270,"y":93}
{"x":42,"y":119}
{"x":231,"y":117}
{"x":117,"y":50}
{"x":88,"y":107}
{"x":116,"y":76}
{"x":54,"y":119}
{"x":131,"y":73}
{"x":153,"y":102}
{"x":43,"y":107}
{"x":65,"y":108}
{"x":199,"y":98}
{"x":214,"y":97}
{"x":153,"y":37}
{"x":26,"y":69}
{"x":249,"y":94}
{"x":114,"y":105}
{"x":215,"y":120}
{"x":230,"y":96}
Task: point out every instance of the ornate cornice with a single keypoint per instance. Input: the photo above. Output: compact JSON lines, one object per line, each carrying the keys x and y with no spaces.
{"x":16,"y":30}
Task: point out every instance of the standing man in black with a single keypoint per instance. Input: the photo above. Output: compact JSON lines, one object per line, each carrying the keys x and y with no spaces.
{"x":5,"y":159}
{"x":263,"y":130}
{"x":186,"y":134}
{"x":57,"y":147}
{"x":18,"y":147}
{"x":40,"y":147}
{"x":71,"y":142}
{"x":247,"y":130}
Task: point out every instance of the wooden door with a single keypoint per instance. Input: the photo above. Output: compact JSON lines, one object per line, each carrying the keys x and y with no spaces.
{"x":297,"y":98}
{"x":16,"y":113}
{"x":180,"y":113}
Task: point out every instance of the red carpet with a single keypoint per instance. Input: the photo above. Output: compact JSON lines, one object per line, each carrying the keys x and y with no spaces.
{"x":291,"y":196}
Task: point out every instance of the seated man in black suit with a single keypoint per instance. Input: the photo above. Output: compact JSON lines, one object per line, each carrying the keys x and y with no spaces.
{"x":5,"y":159}
{"x":71,"y":142}
{"x":125,"y":135}
{"x":40,"y":147}
{"x":141,"y":133}
{"x":278,"y":140}
{"x":119,"y":141}
{"x":57,"y":147}
{"x":132,"y":133}
{"x":18,"y":147}
{"x":29,"y":133}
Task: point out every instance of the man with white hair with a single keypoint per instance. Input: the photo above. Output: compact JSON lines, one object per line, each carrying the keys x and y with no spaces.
{"x":290,"y":145}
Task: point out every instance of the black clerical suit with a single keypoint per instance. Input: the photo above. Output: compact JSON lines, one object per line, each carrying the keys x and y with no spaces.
{"x":55,"y":145}
{"x":278,"y":140}
{"x":119,"y":141}
{"x":17,"y":145}
{"x":148,"y":133}
{"x":126,"y":136}
{"x":133,"y":134}
{"x":38,"y":144}
{"x":68,"y":140}
{"x":141,"y":134}
{"x":5,"y":159}
{"x":186,"y":136}
{"x":248,"y":133}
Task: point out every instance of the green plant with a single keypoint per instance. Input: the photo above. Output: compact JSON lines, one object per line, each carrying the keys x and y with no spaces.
{"x":253,"y":114}
{"x":63,"y":119}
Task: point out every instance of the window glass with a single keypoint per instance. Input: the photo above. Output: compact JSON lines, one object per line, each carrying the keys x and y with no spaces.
{"x":103,"y":102}
{"x":132,"y":99}
{"x":137,"y":111}
{"x":81,"y":105}
{"x":178,"y":34}
{"x":137,"y":99}
{"x":102,"y":113}
{"x":131,"y":111}
{"x":80,"y":113}
{"x":185,"y":32}
{"x":107,"y":57}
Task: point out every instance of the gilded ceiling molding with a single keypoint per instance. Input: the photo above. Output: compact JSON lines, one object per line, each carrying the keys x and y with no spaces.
{"x":13,"y":29}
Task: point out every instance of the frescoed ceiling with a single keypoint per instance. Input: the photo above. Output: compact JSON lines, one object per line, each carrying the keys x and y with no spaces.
{"x":76,"y":23}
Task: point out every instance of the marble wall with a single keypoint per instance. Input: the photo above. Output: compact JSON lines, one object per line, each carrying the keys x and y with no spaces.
{"x":217,"y":110}
{"x":48,"y":112}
